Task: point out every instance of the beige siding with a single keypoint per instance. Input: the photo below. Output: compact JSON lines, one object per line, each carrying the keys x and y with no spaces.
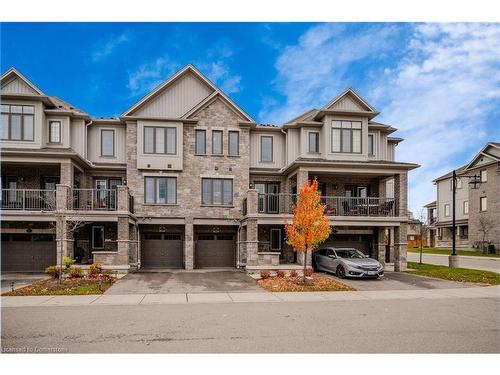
{"x":391,"y":151}
{"x":177,"y":99}
{"x":445,"y":197}
{"x":347,"y":104}
{"x":293,"y":139}
{"x":65,"y":132}
{"x":159,"y":161}
{"x":363,"y":156}
{"x":304,"y":142}
{"x":78,"y":136}
{"x":278,"y":150}
{"x":94,"y":144}
{"x":38,"y":125}
{"x":17,"y":86}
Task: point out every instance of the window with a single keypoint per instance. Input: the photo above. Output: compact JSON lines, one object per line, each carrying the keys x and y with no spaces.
{"x":484,"y":175}
{"x":346,"y":136}
{"x":313,"y":142}
{"x":107,"y":142}
{"x":201,"y":142}
{"x":234,"y":143}
{"x":275,"y":239}
{"x":440,"y":233}
{"x":370,"y":144}
{"x":160,"y":190}
{"x":266,"y":149}
{"x":446,"y":210}
{"x":217,"y":142}
{"x":160,"y":140}
{"x":483,"y":204}
{"x":18,"y":122}
{"x":98,"y":237}
{"x":458,"y":183}
{"x":464,"y":231}
{"x":54,"y":131}
{"x":466,"y":207}
{"x":217,"y":191}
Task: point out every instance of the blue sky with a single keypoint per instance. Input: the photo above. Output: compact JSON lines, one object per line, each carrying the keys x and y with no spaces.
{"x":438,"y":83}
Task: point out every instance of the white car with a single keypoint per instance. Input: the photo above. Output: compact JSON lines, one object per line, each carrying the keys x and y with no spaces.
{"x":346,"y":262}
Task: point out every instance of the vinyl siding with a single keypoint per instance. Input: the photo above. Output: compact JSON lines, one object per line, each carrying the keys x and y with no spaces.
{"x":94,"y":144}
{"x":278,"y":150}
{"x":17,"y":86}
{"x":78,"y":136}
{"x":347,"y":104}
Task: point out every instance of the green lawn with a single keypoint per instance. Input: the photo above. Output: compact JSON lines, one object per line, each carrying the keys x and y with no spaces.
{"x":429,"y":250}
{"x":455,"y":274}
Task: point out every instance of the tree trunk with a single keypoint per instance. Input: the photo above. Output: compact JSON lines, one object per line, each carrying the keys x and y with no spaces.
{"x":305,"y":266}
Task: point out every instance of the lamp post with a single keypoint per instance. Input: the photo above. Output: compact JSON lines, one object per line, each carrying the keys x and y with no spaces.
{"x":474,"y":182}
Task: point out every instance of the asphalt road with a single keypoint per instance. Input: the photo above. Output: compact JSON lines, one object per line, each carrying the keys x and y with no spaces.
{"x":478,"y":263}
{"x":445,"y":325}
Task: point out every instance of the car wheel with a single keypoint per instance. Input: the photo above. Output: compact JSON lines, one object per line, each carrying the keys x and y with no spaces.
{"x":340,"y":272}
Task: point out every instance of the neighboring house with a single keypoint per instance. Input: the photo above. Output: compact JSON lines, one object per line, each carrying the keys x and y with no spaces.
{"x":431,"y":223}
{"x":475,"y":208}
{"x":415,"y":231}
{"x":186,"y":179}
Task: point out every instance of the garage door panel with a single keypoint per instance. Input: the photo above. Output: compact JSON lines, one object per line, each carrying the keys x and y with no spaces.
{"x":215,"y":250}
{"x":28,"y":253}
{"x":162,"y":251}
{"x":360,"y":242}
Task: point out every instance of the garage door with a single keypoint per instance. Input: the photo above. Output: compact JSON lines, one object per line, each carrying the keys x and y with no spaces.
{"x":360,"y":242}
{"x":215,"y":250}
{"x":161,"y":250}
{"x":28,"y":252}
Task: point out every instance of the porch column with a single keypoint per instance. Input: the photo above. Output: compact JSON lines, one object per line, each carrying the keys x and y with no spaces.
{"x":401,"y":193}
{"x":252,"y":201}
{"x":134,"y":246}
{"x":252,"y":242}
{"x":189,"y":244}
{"x":64,"y":240}
{"x":400,"y":243}
{"x":123,"y":241}
{"x":67,"y":174}
{"x":122,"y":198}
{"x":381,"y":243}
{"x":63,"y":192}
{"x":302,"y":178}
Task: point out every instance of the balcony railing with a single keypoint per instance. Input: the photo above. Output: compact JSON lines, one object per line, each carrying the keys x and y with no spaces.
{"x":28,"y":199}
{"x":93,"y":199}
{"x":335,"y":206}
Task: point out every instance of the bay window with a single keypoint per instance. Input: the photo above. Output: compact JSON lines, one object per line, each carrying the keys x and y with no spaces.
{"x":18,"y":122}
{"x":160,"y":140}
{"x":346,"y":136}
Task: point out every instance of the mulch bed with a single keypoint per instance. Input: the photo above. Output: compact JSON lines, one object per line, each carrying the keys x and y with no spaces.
{"x":295,"y":284}
{"x":67,"y":286}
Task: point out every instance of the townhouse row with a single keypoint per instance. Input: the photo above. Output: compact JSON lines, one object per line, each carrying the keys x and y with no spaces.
{"x":186,"y":179}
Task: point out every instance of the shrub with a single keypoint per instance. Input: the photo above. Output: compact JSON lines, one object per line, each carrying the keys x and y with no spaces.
{"x":309,"y":271}
{"x":68,"y":262}
{"x":265,"y":274}
{"x":53,"y":271}
{"x":95,"y":269}
{"x":293,"y":273}
{"x":75,"y":272}
{"x":280,"y":273}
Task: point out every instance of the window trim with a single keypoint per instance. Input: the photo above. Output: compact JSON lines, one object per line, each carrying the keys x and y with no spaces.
{"x":211,"y":203}
{"x":271,"y":239}
{"x":204,"y":131}
{"x":485,"y":175}
{"x":481,"y":208}
{"x":165,"y":140}
{"x":221,"y":132}
{"x":155,"y":203}
{"x":351,"y":130}
{"x":316,"y":134}
{"x":372,"y":136}
{"x":272,"y":149}
{"x":447,"y":206}
{"x":466,"y":204}
{"x":103,"y":237}
{"x":237,"y":133}
{"x":23,"y":115}
{"x":60,"y":132}
{"x":114,"y":139}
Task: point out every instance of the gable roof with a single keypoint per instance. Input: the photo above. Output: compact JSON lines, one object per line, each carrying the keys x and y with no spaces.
{"x":12,"y":74}
{"x":216,"y":92}
{"x":349,"y":92}
{"x":449,"y":174}
{"x":485,"y":152}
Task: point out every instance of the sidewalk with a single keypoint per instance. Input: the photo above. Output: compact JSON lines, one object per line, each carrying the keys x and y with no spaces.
{"x":248,"y":297}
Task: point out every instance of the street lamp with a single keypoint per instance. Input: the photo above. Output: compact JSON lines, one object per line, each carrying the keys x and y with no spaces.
{"x":474,"y":183}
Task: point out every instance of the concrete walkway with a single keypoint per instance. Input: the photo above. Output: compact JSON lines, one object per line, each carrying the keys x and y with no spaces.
{"x":249,"y":297}
{"x":465,"y":261}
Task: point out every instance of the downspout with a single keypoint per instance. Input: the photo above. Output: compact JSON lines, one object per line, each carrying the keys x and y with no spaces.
{"x":238,"y":258}
{"x":286,"y":146}
{"x":138,"y":240}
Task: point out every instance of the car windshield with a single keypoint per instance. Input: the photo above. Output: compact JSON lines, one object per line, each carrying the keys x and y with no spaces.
{"x":349,"y":253}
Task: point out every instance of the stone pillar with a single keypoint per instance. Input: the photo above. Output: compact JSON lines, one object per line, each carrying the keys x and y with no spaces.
{"x":302,"y":178}
{"x":122,"y":198}
{"x":381,"y":244}
{"x":67,"y":174}
{"x":64,"y":240}
{"x":134,"y":245}
{"x":252,"y":242}
{"x":63,"y":192}
{"x":401,"y":193}
{"x":400,"y":243}
{"x":252,"y":201}
{"x":123,"y":241}
{"x":189,"y":244}
{"x":301,"y":257}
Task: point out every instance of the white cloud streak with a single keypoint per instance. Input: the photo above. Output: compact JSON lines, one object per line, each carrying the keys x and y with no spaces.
{"x":149,"y":75}
{"x":103,"y":51}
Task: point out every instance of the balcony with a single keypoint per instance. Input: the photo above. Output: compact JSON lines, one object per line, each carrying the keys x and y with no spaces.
{"x":28,"y":199}
{"x":335,"y":206}
{"x":93,"y":199}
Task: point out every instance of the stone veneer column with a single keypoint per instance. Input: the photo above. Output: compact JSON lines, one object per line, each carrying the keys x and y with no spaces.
{"x":122,"y":198}
{"x":381,"y":244}
{"x":64,"y":240}
{"x":302,"y":178}
{"x":400,"y":239}
{"x":189,"y":244}
{"x":252,"y":242}
{"x":67,"y":174}
{"x":400,"y":243}
{"x":123,"y":241}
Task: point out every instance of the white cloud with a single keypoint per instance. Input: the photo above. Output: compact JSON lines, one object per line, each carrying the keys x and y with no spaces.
{"x":149,"y":75}
{"x":106,"y":49}
{"x":219,"y":73}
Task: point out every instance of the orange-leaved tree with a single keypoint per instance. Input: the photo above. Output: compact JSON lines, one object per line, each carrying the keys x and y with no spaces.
{"x":310,"y":226}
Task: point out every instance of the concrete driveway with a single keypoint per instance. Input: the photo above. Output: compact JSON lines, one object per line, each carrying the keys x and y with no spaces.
{"x":19,"y":280}
{"x":402,"y":281}
{"x":197,"y":281}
